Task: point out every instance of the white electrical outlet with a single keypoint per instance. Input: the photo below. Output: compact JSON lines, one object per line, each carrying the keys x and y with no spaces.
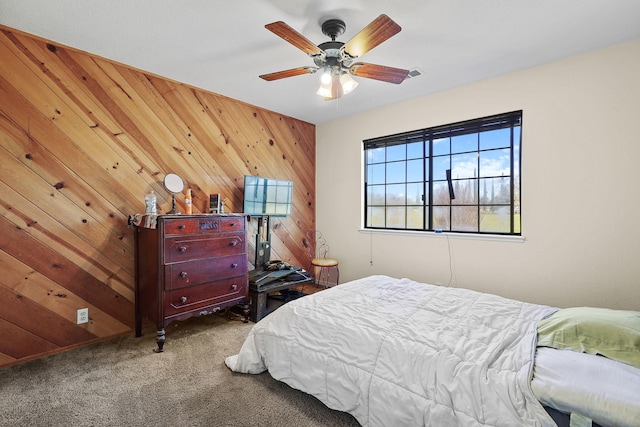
{"x":83,"y":315}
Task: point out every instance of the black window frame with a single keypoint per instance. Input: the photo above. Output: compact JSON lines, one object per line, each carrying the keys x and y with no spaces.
{"x":511,"y":120}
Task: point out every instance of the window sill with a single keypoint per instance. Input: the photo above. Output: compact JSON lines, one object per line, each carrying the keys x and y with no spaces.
{"x":433,"y":234}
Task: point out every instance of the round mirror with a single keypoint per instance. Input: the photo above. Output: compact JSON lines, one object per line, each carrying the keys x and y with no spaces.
{"x":173,"y":183}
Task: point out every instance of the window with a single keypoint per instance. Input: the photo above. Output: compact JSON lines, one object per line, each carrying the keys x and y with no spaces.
{"x":462,"y":177}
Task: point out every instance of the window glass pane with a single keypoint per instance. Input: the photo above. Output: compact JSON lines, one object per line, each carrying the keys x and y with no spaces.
{"x":464,"y":165}
{"x":465,"y":191}
{"x":463,"y":143}
{"x":375,"y":174}
{"x":495,"y":162}
{"x":441,"y":217}
{"x":441,"y":146}
{"x":396,"y":217}
{"x":415,"y":150}
{"x":396,"y":172}
{"x":441,"y":193}
{"x":414,"y":193}
{"x":426,"y":171}
{"x":464,"y":218}
{"x":375,"y":155}
{"x":376,"y":217}
{"x":396,"y":152}
{"x":440,"y":166}
{"x":415,"y":217}
{"x":415,"y":170}
{"x":495,"y":219}
{"x":498,"y":138}
{"x":396,"y":194}
{"x":495,"y":191}
{"x":375,"y":194}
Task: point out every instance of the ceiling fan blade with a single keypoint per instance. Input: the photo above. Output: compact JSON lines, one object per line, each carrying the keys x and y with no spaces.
{"x":379,"y":72}
{"x":287,"y":33}
{"x":379,"y":30}
{"x":288,"y":73}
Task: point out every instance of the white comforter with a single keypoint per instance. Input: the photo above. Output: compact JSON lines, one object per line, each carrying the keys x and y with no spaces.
{"x":394,"y":352}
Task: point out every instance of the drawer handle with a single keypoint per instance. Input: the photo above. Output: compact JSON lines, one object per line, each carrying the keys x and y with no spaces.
{"x":234,"y":265}
{"x":183,"y":274}
{"x":233,"y":224}
{"x":183,"y":299}
{"x":182,"y":227}
{"x":182,"y":249}
{"x":234,"y":287}
{"x":234,"y":243}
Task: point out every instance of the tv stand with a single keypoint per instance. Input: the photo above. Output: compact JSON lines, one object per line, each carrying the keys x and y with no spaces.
{"x":268,"y":297}
{"x":263,"y":242}
{"x":266,"y":287}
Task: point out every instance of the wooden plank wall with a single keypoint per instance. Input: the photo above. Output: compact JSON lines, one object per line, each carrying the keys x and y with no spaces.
{"x":82,"y":141}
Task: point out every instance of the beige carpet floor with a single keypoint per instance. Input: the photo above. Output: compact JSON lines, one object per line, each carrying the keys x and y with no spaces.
{"x":122,"y":382}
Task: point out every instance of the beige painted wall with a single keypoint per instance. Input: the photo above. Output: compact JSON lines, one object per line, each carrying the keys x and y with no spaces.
{"x":580,"y":187}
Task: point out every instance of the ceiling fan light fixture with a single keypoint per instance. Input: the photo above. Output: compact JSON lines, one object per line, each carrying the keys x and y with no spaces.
{"x":325,"y":89}
{"x":329,"y":83}
{"x":336,"y":88}
{"x":348,"y":83}
{"x":325,"y":77}
{"x":334,"y":83}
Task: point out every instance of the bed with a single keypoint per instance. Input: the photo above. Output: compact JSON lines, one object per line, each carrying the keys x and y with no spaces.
{"x":395,"y":352}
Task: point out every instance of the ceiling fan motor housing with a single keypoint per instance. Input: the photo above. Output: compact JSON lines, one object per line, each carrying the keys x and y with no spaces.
{"x":333,"y":54}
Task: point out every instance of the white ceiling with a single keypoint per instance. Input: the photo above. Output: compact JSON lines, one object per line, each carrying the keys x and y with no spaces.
{"x":222,"y":45}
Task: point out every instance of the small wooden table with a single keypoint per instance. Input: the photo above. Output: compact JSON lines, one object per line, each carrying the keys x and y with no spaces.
{"x":262,"y":303}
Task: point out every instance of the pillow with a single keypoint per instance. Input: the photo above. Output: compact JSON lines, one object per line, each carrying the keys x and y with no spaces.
{"x":611,"y":333}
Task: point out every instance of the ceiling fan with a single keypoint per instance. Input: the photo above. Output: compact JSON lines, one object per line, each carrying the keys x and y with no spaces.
{"x":335,"y":59}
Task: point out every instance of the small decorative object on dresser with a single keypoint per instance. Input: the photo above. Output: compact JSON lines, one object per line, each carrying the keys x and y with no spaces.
{"x":189,"y":265}
{"x":214,"y":203}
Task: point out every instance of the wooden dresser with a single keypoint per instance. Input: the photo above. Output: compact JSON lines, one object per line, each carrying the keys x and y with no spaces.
{"x":189,"y":265}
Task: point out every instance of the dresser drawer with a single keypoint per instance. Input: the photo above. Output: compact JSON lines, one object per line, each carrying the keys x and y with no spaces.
{"x":181,"y":226}
{"x":177,"y":249}
{"x":192,"y":273}
{"x":232,"y":224}
{"x":203,"y":224}
{"x":195,"y":297}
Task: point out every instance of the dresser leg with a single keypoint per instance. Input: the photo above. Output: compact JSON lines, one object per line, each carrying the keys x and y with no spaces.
{"x":160,"y":340}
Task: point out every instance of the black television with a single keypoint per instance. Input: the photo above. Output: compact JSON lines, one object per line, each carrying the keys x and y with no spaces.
{"x":267,"y":196}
